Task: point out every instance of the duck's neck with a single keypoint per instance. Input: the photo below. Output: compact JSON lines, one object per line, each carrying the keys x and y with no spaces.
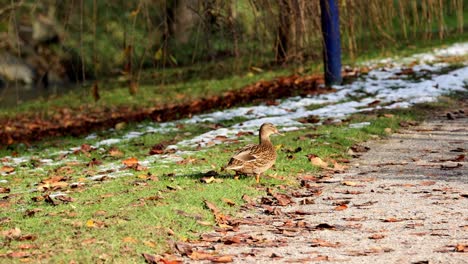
{"x":264,"y":140}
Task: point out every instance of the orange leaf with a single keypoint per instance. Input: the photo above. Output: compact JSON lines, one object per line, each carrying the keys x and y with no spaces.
{"x":341,"y":207}
{"x":200,"y":255}
{"x":130,"y":162}
{"x":222,"y":259}
{"x":229,"y":201}
{"x":129,"y":240}
{"x":7,"y":169}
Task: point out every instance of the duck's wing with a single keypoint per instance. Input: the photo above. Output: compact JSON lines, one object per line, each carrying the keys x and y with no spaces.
{"x":241,"y":156}
{"x":246,"y":153}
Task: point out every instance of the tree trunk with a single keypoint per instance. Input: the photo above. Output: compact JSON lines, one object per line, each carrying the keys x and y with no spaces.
{"x":291,"y":29}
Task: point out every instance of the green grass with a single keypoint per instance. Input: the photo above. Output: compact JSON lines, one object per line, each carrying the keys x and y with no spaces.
{"x":118,"y":219}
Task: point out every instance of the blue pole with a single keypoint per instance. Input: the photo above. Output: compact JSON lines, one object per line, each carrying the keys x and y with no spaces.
{"x":331,"y":37}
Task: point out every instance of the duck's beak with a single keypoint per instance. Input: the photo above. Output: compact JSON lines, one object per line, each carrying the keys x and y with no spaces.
{"x":278,"y":133}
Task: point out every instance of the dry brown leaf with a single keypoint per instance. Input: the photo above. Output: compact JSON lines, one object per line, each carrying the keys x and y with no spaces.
{"x":339,"y":167}
{"x":247,"y":199}
{"x":200,"y":255}
{"x":229,"y":201}
{"x":19,"y":254}
{"x":151,"y":259}
{"x":282,"y":199}
{"x":349,"y":183}
{"x":376,"y":236}
{"x":212,"y":207}
{"x":207,"y":179}
{"x":392,"y":220}
{"x":316,"y":161}
{"x":222,"y":259}
{"x":322,"y":243}
{"x":427,"y":183}
{"x":130,"y":240}
{"x":115,"y":152}
{"x":13,"y":233}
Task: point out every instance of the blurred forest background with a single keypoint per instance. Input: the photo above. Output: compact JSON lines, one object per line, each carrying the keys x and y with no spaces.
{"x":165,"y":41}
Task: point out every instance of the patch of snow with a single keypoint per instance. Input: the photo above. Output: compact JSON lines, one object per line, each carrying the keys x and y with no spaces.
{"x":132,"y":134}
{"x":359,"y":125}
{"x":91,"y":136}
{"x":108,"y":142}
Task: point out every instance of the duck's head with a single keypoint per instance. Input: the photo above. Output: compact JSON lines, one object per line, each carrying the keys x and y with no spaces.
{"x":268,"y":129}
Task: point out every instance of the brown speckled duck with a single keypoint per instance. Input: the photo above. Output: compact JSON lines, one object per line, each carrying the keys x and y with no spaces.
{"x":256,"y":159}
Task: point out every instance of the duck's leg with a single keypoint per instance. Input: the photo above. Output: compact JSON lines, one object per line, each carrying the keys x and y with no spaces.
{"x":257,"y":178}
{"x":236,"y":177}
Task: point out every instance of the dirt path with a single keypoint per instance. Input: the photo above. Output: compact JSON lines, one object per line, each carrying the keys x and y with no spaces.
{"x":405,"y":200}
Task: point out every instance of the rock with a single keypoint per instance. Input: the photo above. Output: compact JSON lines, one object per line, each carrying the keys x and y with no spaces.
{"x":15,"y":69}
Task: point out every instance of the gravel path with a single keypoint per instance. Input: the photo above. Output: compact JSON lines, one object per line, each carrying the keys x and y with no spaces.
{"x":404,"y":200}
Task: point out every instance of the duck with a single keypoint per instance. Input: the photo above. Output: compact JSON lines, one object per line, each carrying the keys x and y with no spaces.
{"x":255,"y":159}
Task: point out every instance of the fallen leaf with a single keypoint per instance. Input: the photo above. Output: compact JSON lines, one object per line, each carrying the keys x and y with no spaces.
{"x":282,"y":199}
{"x":184,"y":249}
{"x":316,"y":161}
{"x":341,"y":207}
{"x":207,"y":179}
{"x":451,"y":167}
{"x":151,"y":259}
{"x":157,"y":149}
{"x":4,"y":190}
{"x":324,"y":226}
{"x":130,"y":162}
{"x":376,"y":236}
{"x":247,"y":199}
{"x":392,"y":220}
{"x":27,"y":246}
{"x":373,"y":103}
{"x":229,"y":201}
{"x":339,"y":167}
{"x":322,"y":243}
{"x":90,"y":223}
{"x":427,"y":183}
{"x":128,"y":239}
{"x":212,"y":207}
{"x":349,"y":183}
{"x":359,"y":148}
{"x":13,"y":233}
{"x":115,"y":152}
{"x":32,"y":212}
{"x":19,"y":254}
{"x":222,"y":259}
{"x":461,"y":248}
{"x":200,"y":255}
{"x":7,"y":169}
{"x":313,"y":119}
